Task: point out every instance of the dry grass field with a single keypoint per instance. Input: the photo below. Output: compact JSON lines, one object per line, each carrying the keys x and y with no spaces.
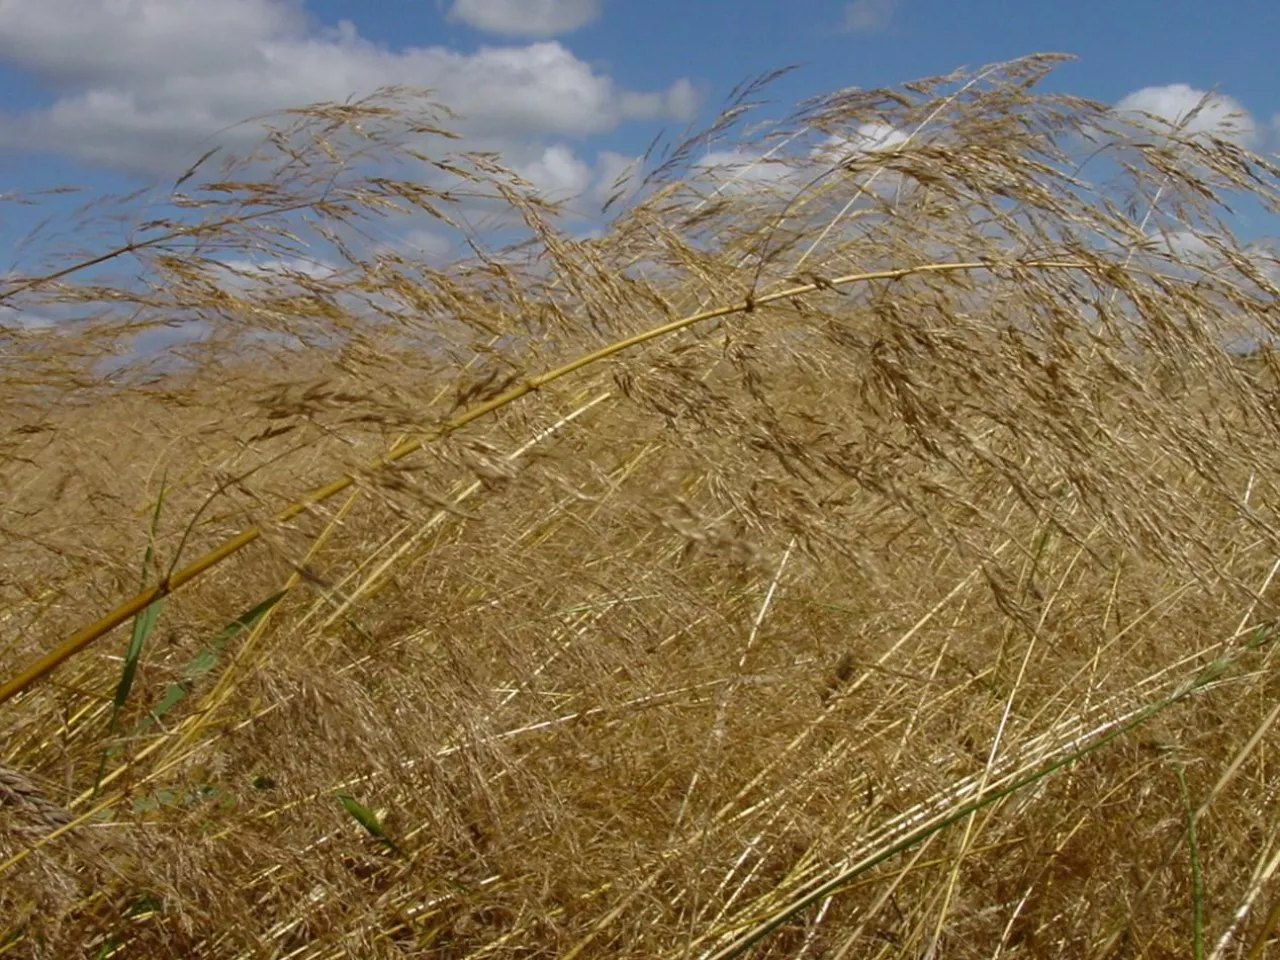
{"x":870,"y":553}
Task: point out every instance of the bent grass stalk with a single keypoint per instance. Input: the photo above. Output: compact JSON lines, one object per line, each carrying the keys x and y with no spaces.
{"x":83,"y":638}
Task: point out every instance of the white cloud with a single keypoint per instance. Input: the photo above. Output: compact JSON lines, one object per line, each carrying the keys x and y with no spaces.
{"x":142,"y":84}
{"x":740,"y":169}
{"x":867,"y":138}
{"x":242,"y":276}
{"x":526,"y":18}
{"x":868,"y":16}
{"x":270,"y":270}
{"x":557,"y":174}
{"x":1205,"y":252}
{"x":70,"y":42}
{"x":679,"y":101}
{"x":1184,"y":245}
{"x":682,"y":100}
{"x":1267,"y":258}
{"x":1220,"y":115}
{"x":432,"y":244}
{"x":615,"y":173}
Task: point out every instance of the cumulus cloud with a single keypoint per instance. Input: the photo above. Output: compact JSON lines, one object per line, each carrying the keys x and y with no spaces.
{"x":615,"y":174}
{"x":557,"y":173}
{"x":868,"y":16}
{"x":69,"y":42}
{"x":1184,"y":245}
{"x":743,"y":169}
{"x":1175,"y":104}
{"x":1267,"y":258}
{"x":1189,"y":248}
{"x":679,"y":101}
{"x":867,"y":138}
{"x":140,"y":85}
{"x":431,"y":244}
{"x":525,"y":18}
{"x":272,"y":270}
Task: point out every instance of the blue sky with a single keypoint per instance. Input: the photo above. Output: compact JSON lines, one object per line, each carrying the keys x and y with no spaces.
{"x":107,"y":94}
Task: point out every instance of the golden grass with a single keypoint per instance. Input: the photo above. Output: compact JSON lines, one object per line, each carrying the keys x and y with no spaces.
{"x":874,"y":561}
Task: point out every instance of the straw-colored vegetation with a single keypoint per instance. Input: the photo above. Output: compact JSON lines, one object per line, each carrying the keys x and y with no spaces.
{"x":867,"y":554}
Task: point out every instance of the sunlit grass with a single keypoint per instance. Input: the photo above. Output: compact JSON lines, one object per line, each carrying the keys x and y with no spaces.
{"x":858,"y":558}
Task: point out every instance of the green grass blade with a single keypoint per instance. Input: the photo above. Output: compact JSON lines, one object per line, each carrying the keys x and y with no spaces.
{"x":367,"y":819}
{"x":144,"y":625}
{"x":207,"y":659}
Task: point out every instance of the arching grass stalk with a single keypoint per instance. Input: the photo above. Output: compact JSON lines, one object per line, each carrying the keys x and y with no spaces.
{"x":84,"y":637}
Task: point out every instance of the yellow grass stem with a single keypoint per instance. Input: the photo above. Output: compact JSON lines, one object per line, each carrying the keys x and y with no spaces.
{"x":83,"y":638}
